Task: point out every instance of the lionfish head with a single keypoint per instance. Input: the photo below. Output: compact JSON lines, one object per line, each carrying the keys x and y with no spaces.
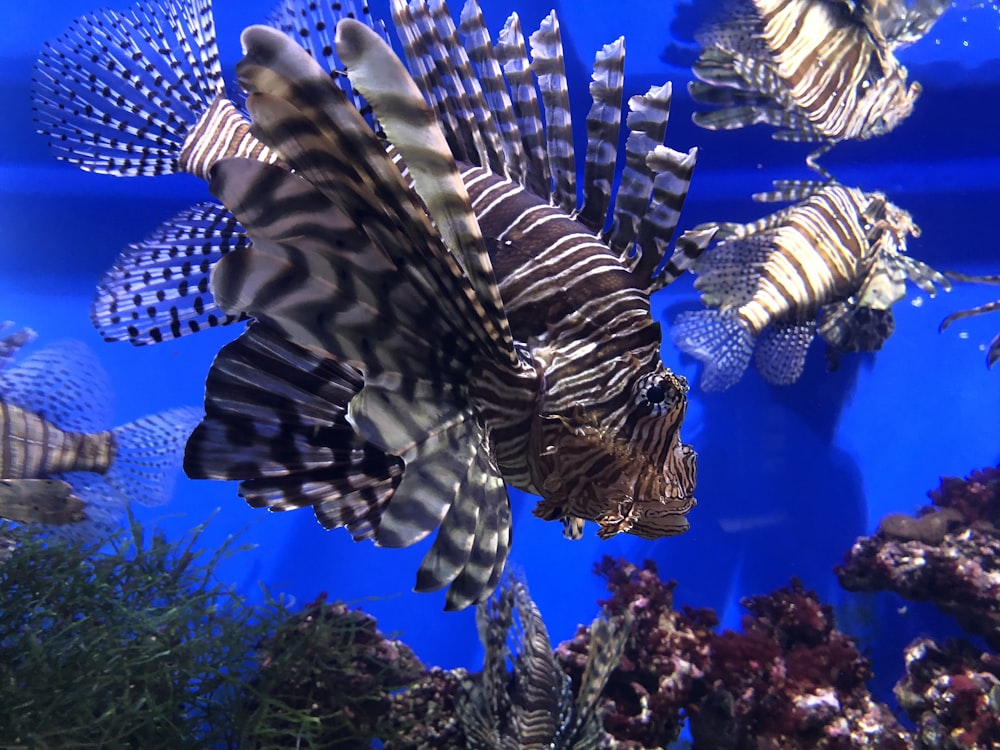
{"x":891,"y":101}
{"x":628,"y":474}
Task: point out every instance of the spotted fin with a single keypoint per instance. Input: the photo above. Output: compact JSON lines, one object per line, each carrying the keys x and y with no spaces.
{"x":158,"y":289}
{"x":717,"y":339}
{"x":139,"y":92}
{"x":65,"y":383}
{"x":780,"y":354}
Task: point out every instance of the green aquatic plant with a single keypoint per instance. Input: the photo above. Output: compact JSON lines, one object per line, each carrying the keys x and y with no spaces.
{"x":324,"y":680}
{"x":134,"y":644}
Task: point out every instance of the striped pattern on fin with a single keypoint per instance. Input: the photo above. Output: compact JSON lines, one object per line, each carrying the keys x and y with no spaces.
{"x":673,"y":171}
{"x":603,"y":125}
{"x":275,"y":420}
{"x":550,"y":72}
{"x":608,"y":638}
{"x":411,"y":127}
{"x":647,"y":124}
{"x":513,"y":58}
{"x":118,"y":93}
{"x":158,"y":289}
{"x":479,"y":47}
{"x":444,"y":74}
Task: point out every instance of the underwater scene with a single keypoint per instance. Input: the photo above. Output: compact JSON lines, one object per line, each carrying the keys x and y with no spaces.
{"x":500,"y":374}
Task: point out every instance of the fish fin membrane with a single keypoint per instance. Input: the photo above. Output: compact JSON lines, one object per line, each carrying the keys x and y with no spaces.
{"x":104,"y":508}
{"x":65,"y":383}
{"x":119,"y":92}
{"x":275,"y":421}
{"x":780,"y":354}
{"x":149,"y":454}
{"x":158,"y":289}
{"x":451,"y":482}
{"x":719,"y":340}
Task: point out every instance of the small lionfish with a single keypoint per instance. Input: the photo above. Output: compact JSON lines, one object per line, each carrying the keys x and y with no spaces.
{"x":837,"y":254}
{"x":819,"y":70}
{"x":59,"y":467}
{"x":435,"y":315}
{"x":534,"y":707}
{"x":993,"y":352}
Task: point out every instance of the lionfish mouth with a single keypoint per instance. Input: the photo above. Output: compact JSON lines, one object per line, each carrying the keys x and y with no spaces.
{"x":590,"y":474}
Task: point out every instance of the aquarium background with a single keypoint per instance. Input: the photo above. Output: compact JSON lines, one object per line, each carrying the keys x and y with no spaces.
{"x":788,"y":477}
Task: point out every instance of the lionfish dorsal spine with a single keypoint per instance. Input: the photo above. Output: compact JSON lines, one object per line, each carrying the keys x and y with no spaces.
{"x":550,"y":73}
{"x":603,"y":126}
{"x":412,"y":128}
{"x":479,"y":47}
{"x":513,"y":57}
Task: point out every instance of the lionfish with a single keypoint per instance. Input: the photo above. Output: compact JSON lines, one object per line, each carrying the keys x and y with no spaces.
{"x":59,"y":466}
{"x":434,"y":313}
{"x":833,"y":263}
{"x":993,"y":351}
{"x":822,"y":71}
{"x":534,"y":707}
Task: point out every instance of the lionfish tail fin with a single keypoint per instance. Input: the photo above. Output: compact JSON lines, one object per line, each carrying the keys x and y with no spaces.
{"x":158,"y":289}
{"x":149,"y":454}
{"x":720,"y":340}
{"x":139,"y":92}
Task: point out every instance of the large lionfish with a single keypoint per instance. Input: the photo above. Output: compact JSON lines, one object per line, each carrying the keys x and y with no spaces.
{"x":534,"y":707}
{"x":435,"y":315}
{"x":59,"y":465}
{"x":833,"y":263}
{"x":819,"y":70}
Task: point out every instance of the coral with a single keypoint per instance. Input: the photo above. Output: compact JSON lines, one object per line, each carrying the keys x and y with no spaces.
{"x":666,"y":652}
{"x":325,"y":677}
{"x":137,"y":646}
{"x":952,"y":694}
{"x":423,"y":716}
{"x":948,"y":554}
{"x":790,"y":680}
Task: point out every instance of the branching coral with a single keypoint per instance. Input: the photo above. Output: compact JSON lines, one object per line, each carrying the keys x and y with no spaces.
{"x":949,"y":554}
{"x":325,"y":678}
{"x":952,"y":694}
{"x":788,"y":681}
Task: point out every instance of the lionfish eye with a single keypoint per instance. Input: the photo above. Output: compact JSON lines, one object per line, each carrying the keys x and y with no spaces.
{"x":656,"y":393}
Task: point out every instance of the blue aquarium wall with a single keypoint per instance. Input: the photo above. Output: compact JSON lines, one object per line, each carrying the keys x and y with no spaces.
{"x":788,"y":476}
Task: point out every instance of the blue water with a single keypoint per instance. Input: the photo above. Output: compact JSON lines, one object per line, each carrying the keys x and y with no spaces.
{"x":788,"y":477}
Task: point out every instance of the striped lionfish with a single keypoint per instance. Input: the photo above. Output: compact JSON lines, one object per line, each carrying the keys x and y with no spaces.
{"x":819,"y":71}
{"x":534,"y":707}
{"x":833,"y":263}
{"x":993,"y":351}
{"x":59,"y":467}
{"x":435,"y":316}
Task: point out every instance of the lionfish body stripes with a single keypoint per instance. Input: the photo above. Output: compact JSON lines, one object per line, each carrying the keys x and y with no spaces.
{"x":434,"y":316}
{"x":837,"y":255}
{"x":58,"y":466}
{"x":816,"y":71}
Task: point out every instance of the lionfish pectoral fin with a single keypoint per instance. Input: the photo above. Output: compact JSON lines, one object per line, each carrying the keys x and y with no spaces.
{"x":780,"y":355}
{"x":412,"y":127}
{"x":451,"y":481}
{"x":718,"y":339}
{"x":41,"y":501}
